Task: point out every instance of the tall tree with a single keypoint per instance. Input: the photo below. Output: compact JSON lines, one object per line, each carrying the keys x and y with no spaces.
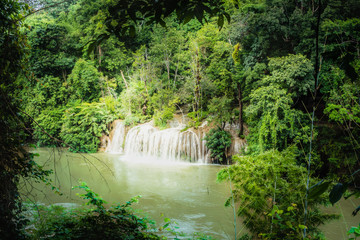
{"x":15,"y":161}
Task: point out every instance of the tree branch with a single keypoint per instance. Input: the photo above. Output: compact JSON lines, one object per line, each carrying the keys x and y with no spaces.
{"x":40,"y":9}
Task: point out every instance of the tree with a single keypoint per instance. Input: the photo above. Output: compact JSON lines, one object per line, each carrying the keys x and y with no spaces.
{"x":272,"y":116}
{"x":15,"y":161}
{"x":240,"y":83}
{"x":52,"y":48}
{"x":84,"y":124}
{"x":219,"y":142}
{"x":123,"y":14}
{"x":261,"y":187}
{"x":84,"y":81}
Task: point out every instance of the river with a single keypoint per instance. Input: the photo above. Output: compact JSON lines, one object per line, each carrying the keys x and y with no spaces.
{"x":186,"y":193}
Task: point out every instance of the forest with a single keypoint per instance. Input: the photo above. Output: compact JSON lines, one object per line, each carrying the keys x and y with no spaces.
{"x":285,"y":73}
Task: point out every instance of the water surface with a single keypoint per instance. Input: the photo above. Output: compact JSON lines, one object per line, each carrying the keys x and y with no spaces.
{"x":186,"y":193}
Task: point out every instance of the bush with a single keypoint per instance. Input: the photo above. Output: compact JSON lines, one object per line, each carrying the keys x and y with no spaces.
{"x":262,"y":186}
{"x":161,"y":117}
{"x":49,"y":121}
{"x":84,"y":124}
{"x":218,"y":141}
{"x":163,"y":106}
{"x":134,"y":98}
{"x":84,"y":81}
{"x":196,"y":118}
{"x":134,"y":119}
{"x":98,"y":222}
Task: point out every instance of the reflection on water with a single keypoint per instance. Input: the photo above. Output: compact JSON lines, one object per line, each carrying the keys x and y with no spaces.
{"x":186,"y":193}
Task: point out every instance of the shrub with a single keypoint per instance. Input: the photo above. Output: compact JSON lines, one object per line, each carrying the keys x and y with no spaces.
{"x":49,"y":121}
{"x":84,"y":124}
{"x":196,"y":118}
{"x":161,"y":117}
{"x":218,"y":141}
{"x":163,"y":106}
{"x":98,"y":222}
{"x":262,"y":186}
{"x":134,"y":119}
{"x":84,"y":81}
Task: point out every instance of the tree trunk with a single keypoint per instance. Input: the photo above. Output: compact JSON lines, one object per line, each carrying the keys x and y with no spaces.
{"x":99,"y":56}
{"x":197,"y":81}
{"x":241,"y":121}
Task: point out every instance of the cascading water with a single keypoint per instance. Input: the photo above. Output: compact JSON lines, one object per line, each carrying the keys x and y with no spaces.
{"x":138,"y":138}
{"x":237,"y":144}
{"x":118,"y":138}
{"x":170,"y":144}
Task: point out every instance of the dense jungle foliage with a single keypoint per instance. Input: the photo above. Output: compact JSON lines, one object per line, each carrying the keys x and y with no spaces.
{"x":286,"y":72}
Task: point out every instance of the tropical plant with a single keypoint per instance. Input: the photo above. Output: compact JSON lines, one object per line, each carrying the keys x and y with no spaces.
{"x":116,"y":222}
{"x":47,"y":127}
{"x":84,"y":81}
{"x":218,"y":141}
{"x":16,"y":161}
{"x":83,"y":125}
{"x":163,"y":104}
{"x":274,"y":121}
{"x":261,"y":187}
{"x":354,"y":231}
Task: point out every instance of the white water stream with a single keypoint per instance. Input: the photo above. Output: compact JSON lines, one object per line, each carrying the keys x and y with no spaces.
{"x":171,"y":144}
{"x":118,"y":139}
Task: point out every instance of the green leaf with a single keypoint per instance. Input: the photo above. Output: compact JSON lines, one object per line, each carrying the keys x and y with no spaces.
{"x":352,"y":230}
{"x":356,"y":211}
{"x":337,"y":192}
{"x":132,"y":31}
{"x":162,"y":23}
{"x":302,"y":226}
{"x":318,"y":189}
{"x":228,"y":18}
{"x":187,"y":18}
{"x":97,"y":42}
{"x":354,"y":173}
{"x":91,"y":47}
{"x":220,"y":21}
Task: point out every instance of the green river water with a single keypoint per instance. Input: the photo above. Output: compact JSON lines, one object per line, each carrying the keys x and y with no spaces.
{"x":186,"y":193}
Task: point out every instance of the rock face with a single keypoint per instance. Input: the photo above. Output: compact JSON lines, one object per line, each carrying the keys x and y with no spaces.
{"x":237,"y":143}
{"x":171,"y":144}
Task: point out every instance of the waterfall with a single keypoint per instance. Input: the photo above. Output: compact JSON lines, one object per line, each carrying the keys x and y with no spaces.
{"x":117,"y":138}
{"x":237,"y":145}
{"x":138,"y":139}
{"x":170,"y":144}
